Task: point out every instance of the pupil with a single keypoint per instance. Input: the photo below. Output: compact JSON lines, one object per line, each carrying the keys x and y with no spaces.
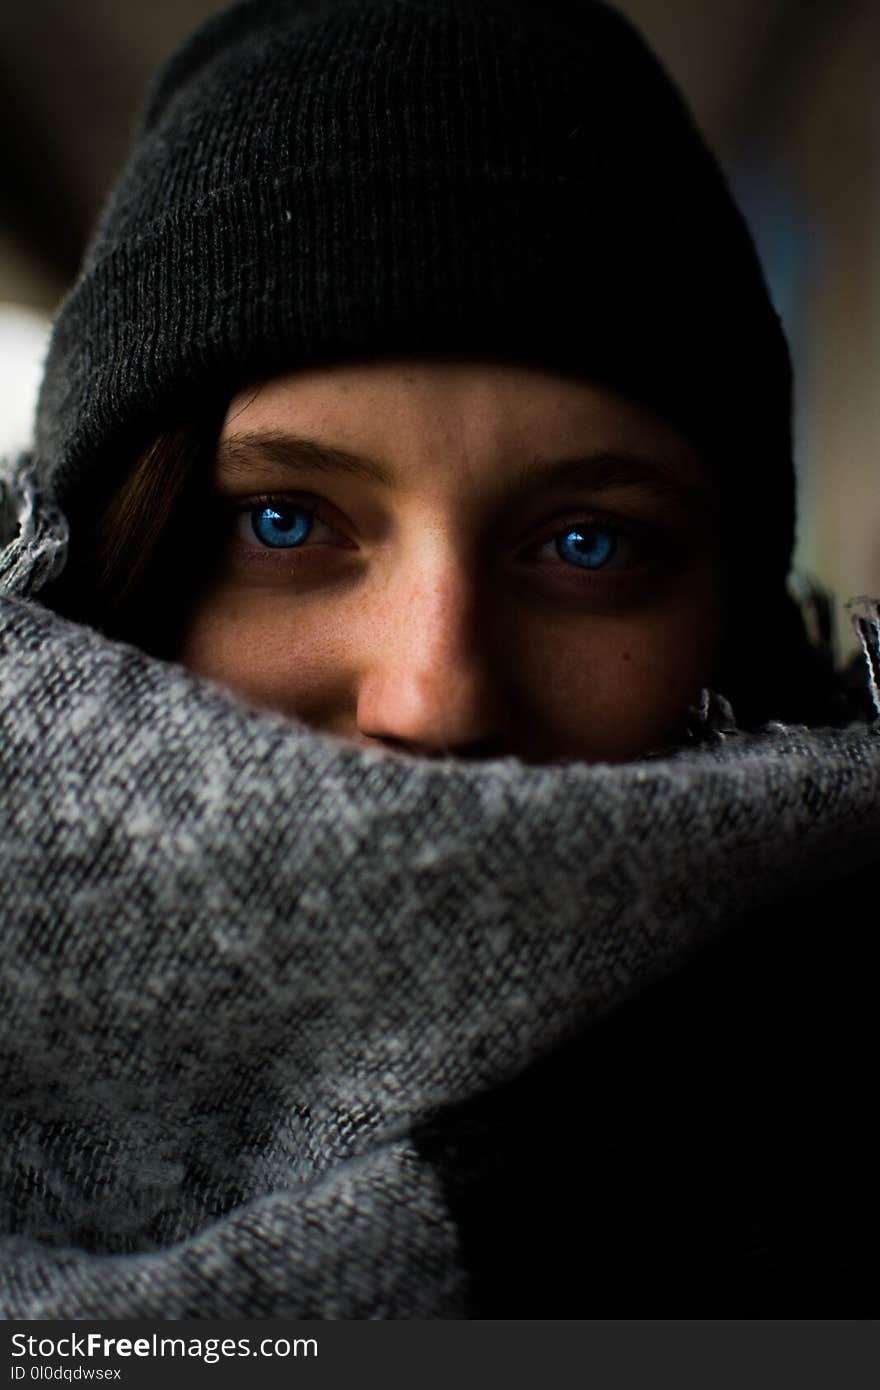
{"x":281,"y":528}
{"x":588,"y":548}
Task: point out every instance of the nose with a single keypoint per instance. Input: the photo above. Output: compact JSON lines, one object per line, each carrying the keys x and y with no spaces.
{"x":430,"y":684}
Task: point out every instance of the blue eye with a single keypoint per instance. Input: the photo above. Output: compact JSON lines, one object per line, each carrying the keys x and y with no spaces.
{"x":281,"y":527}
{"x":588,"y":547}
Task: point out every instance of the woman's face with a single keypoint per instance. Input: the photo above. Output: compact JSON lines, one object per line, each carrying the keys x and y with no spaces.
{"x":460,"y":557}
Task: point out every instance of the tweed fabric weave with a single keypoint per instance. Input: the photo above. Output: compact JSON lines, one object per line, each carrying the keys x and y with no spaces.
{"x":245,"y":969}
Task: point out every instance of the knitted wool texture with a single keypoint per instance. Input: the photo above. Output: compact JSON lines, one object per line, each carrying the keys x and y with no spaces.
{"x":272,"y":1007}
{"x":244,"y":967}
{"x":314,"y":182}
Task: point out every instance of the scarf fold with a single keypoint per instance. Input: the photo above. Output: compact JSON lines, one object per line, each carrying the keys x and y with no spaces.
{"x":244,"y":965}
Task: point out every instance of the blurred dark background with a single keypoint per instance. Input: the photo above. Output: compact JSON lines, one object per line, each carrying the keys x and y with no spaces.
{"x":787,"y":92}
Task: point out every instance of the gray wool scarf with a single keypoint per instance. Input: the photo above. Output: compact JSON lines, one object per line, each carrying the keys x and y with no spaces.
{"x":241,"y":963}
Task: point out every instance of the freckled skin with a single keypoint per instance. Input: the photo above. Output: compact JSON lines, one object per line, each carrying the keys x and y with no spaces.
{"x":430,"y":625}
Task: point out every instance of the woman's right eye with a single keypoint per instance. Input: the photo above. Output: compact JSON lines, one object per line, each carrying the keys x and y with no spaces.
{"x":280,"y":525}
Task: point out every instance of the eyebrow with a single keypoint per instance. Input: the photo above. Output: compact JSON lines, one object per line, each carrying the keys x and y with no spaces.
{"x":610,"y":470}
{"x":237,"y":454}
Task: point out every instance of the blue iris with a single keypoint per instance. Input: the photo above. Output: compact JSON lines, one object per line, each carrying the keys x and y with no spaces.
{"x":288,"y":527}
{"x":590,"y":547}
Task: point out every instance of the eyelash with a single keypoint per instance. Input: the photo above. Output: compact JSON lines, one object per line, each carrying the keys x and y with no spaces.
{"x":641,"y":540}
{"x":624,"y":535}
{"x":275,"y":502}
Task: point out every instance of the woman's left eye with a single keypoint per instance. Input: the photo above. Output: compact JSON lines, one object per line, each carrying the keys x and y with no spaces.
{"x":280,"y":525}
{"x":591,"y":546}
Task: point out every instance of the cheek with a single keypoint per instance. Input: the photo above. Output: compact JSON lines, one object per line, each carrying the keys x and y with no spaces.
{"x":281,"y":656}
{"x":575,"y":684}
{"x":613,"y":687}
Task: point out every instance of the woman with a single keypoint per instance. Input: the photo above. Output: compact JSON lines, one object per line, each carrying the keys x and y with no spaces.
{"x":421,"y":388}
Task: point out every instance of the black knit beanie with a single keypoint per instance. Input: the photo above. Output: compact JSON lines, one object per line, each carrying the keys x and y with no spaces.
{"x":324,"y":180}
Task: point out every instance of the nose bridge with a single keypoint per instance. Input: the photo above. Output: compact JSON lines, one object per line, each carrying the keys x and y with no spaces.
{"x":429,"y":679}
{"x":436,"y":612}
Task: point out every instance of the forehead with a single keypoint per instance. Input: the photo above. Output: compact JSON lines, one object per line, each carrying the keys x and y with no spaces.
{"x":404,"y":416}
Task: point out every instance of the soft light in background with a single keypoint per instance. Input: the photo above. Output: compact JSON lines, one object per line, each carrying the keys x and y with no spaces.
{"x":785,"y":90}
